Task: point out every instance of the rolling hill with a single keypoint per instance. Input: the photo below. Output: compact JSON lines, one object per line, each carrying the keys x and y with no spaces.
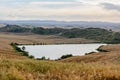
{"x":98,"y":66}
{"x":65,"y":24}
{"x":98,"y":34}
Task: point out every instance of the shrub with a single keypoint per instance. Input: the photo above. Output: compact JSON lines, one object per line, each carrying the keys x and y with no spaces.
{"x":21,"y":51}
{"x":31,"y":56}
{"x":66,"y":56}
{"x":90,"y":53}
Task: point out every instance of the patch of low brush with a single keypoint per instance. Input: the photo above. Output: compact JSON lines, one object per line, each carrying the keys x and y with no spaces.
{"x":65,"y":56}
{"x":90,"y":53}
{"x":21,"y":51}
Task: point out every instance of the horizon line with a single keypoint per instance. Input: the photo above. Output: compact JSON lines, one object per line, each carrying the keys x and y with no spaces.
{"x":63,"y":21}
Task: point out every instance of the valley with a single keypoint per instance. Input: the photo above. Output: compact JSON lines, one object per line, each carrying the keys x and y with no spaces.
{"x":14,"y":65}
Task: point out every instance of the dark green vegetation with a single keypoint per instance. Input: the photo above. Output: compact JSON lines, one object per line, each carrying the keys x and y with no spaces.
{"x":47,"y":31}
{"x":65,"y":56}
{"x":14,"y":28}
{"x":102,"y":35}
{"x":90,"y":53}
{"x":21,"y":51}
{"x":98,"y":34}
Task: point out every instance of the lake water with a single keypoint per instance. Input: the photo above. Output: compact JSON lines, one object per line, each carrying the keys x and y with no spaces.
{"x":56,"y":51}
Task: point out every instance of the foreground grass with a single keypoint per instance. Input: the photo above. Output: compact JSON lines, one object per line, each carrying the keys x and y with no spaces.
{"x":13,"y":69}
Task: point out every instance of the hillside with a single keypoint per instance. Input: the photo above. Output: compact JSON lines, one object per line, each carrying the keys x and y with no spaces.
{"x":98,"y":66}
{"x":6,"y":38}
{"x":112,"y":56}
{"x":101,"y":35}
{"x":97,"y":34}
{"x":65,"y":24}
{"x":103,"y":66}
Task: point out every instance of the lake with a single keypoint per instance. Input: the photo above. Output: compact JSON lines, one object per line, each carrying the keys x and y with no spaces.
{"x":56,"y":51}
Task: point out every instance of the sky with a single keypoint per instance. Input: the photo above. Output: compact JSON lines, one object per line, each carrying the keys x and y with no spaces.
{"x":61,"y":10}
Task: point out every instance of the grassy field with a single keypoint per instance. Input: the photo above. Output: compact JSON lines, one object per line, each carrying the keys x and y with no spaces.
{"x":14,"y":69}
{"x":99,"y":66}
{"x":28,"y":38}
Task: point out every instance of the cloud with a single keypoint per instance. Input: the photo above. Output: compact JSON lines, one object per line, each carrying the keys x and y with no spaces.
{"x":68,"y":10}
{"x":56,"y":4}
{"x":50,"y":3}
{"x":111,"y":6}
{"x":27,"y":1}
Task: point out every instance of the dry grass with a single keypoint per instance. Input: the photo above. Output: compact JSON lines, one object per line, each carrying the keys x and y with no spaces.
{"x":113,"y":56}
{"x":28,"y":38}
{"x":46,"y":70}
{"x":13,"y":66}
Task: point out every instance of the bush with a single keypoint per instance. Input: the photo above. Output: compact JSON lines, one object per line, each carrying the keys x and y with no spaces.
{"x":42,"y":58}
{"x":66,"y":56}
{"x":21,"y":51}
{"x":90,"y":53}
{"x":24,"y":53}
{"x":31,"y":56}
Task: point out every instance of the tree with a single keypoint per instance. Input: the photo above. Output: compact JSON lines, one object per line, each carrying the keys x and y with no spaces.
{"x":43,"y":58}
{"x":23,"y":48}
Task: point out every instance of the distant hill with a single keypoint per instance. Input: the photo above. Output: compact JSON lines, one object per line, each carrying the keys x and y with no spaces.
{"x":2,"y":25}
{"x":14,"y":29}
{"x":99,"y":34}
{"x":75,"y":24}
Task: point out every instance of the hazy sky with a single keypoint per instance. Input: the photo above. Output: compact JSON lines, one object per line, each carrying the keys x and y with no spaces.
{"x":68,"y":10}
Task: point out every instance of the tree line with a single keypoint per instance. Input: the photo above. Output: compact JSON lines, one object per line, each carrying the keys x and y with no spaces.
{"x":98,"y":34}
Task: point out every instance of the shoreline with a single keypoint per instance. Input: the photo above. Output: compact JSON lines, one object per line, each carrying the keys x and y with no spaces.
{"x":56,"y":43}
{"x":85,"y":53}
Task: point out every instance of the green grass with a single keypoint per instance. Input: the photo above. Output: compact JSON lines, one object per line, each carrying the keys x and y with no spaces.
{"x":13,"y":69}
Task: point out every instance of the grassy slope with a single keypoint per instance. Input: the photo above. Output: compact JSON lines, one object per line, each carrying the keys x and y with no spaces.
{"x":16,"y":67}
{"x":98,"y":34}
{"x":28,"y":38}
{"x":113,"y":56}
